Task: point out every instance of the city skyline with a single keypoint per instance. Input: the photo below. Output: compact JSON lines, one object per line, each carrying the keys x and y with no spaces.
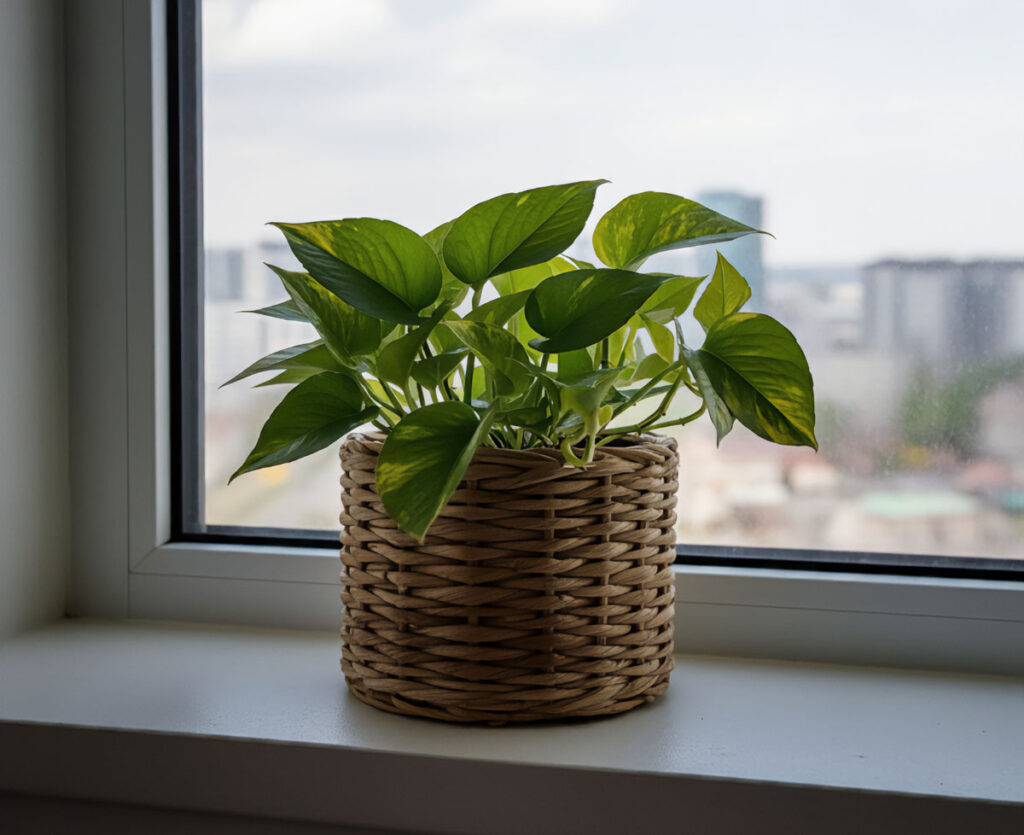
{"x":907,"y":463}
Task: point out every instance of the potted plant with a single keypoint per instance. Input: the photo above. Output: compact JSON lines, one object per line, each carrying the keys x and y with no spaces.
{"x":508,"y":527}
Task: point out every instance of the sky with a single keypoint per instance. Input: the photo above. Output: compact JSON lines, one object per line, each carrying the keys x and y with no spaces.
{"x":870,"y":129}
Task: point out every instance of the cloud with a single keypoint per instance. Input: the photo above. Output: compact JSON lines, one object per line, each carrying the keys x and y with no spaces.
{"x":287,"y":32}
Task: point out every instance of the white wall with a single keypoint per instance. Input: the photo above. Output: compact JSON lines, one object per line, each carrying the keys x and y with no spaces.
{"x":34,"y":480}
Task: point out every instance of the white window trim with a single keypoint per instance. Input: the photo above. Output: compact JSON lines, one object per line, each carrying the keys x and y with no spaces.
{"x":123,"y":562}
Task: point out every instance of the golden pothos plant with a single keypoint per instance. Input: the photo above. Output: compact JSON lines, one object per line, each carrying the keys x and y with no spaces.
{"x":554,"y":357}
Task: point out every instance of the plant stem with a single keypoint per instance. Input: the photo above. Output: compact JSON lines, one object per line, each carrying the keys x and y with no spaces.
{"x":639,"y":395}
{"x":638,"y":427}
{"x":665,"y":403}
{"x":394,"y":400}
{"x":373,"y":398}
{"x":467,"y":391}
{"x":470,"y":368}
{"x":630,"y":334}
{"x":683,"y":420}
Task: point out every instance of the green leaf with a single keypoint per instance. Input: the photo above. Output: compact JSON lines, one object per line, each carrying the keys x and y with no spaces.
{"x":289,"y":377}
{"x":377,"y":266}
{"x":346,"y":332}
{"x":726,"y":293}
{"x":671,"y":299}
{"x":643,"y":224}
{"x":499,"y":352}
{"x":517,"y":230}
{"x":394,"y":363}
{"x":588,"y":394}
{"x":718,"y":411}
{"x":758,"y":369}
{"x":529,"y":417}
{"x":580,"y":264}
{"x":423,"y":461}
{"x":650,"y":366}
{"x":498,"y":311}
{"x":575,"y":364}
{"x":580,"y":308}
{"x":288,"y":311}
{"x":311,"y":416}
{"x":442,"y":339}
{"x":430,"y":371}
{"x":311,"y":355}
{"x":664,"y":341}
{"x":529,"y":277}
{"x":452,"y":290}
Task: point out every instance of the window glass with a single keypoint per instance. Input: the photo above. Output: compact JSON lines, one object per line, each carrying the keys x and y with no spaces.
{"x":880,"y":142}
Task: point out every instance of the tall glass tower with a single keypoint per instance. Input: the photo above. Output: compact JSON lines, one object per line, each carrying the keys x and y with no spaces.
{"x":745,"y":253}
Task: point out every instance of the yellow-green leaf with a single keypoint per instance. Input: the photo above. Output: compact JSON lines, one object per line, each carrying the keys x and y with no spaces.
{"x":726,"y":293}
{"x":346,"y":332}
{"x":756,"y":366}
{"x":517,"y":230}
{"x":643,"y":224}
{"x":377,"y":266}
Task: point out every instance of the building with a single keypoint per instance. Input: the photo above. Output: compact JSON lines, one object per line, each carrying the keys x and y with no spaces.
{"x":744,"y":254}
{"x":943,"y":312}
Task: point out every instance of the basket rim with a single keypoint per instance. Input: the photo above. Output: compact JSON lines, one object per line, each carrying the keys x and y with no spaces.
{"x":542,"y":453}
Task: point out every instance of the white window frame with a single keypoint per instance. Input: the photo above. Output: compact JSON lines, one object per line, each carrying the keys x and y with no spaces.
{"x":124,"y":565}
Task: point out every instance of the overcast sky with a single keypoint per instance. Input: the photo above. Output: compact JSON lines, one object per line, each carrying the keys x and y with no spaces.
{"x":870,"y":128}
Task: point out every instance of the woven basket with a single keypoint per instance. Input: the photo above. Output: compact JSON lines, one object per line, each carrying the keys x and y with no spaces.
{"x":542,"y":591}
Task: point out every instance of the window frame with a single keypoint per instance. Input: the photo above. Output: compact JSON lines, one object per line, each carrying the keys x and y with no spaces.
{"x":127,"y":561}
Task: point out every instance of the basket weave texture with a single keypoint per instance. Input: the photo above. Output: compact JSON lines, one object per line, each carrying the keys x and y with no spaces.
{"x":541,"y":591}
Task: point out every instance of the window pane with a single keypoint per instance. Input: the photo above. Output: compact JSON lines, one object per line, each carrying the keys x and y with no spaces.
{"x":880,"y":142}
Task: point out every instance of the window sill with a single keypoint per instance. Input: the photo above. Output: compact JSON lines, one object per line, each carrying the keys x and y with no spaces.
{"x":258,"y":722}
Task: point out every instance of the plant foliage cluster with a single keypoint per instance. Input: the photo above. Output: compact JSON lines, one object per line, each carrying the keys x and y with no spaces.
{"x":555,"y":357}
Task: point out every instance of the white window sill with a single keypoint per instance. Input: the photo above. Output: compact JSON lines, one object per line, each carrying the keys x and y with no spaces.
{"x":259,"y":722}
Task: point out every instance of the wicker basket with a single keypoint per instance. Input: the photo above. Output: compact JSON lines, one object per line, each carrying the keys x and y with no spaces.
{"x":542,"y":591}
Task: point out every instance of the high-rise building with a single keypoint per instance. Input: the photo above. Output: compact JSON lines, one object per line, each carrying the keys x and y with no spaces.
{"x":745,"y":253}
{"x":943,"y":312}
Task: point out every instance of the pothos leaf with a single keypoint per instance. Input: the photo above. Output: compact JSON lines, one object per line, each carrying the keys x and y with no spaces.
{"x":756,"y":366}
{"x":430,"y":371}
{"x":643,"y":224}
{"x":517,"y":230}
{"x":423,"y":460}
{"x":288,"y":310}
{"x":311,"y":416}
{"x":726,"y":293}
{"x":580,"y":308}
{"x":498,"y":351}
{"x":377,"y":266}
{"x":347,"y":333}
{"x":311,"y":355}
{"x":718,"y":411}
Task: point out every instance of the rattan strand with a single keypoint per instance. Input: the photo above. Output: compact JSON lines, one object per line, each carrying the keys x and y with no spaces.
{"x":542,"y":591}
